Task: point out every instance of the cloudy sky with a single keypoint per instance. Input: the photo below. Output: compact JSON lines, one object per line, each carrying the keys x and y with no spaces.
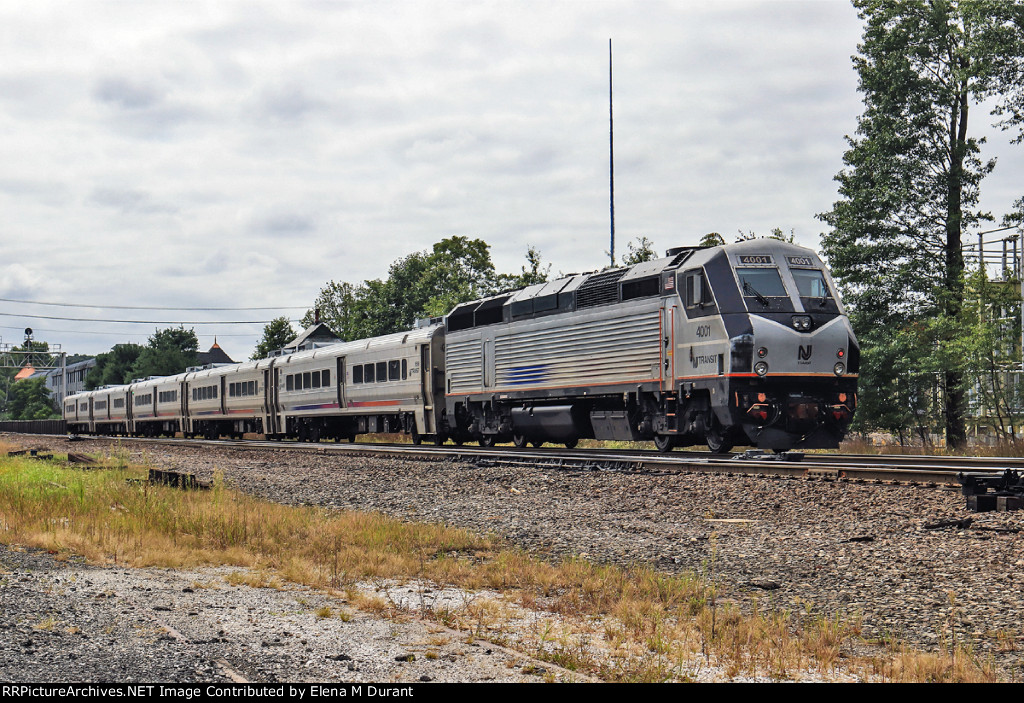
{"x":240,"y":154}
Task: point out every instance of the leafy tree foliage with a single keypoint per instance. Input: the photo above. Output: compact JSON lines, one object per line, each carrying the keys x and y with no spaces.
{"x":639,"y":250}
{"x":911,"y":184}
{"x":276,"y":334}
{"x":423,"y":284}
{"x":711,"y":239}
{"x":169,"y":351}
{"x":993,"y":352}
{"x":532,"y":272}
{"x":29,"y":400}
{"x":113,"y":367}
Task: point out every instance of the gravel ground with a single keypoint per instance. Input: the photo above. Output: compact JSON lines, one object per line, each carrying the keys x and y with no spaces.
{"x":821,"y":546}
{"x":73,"y":623}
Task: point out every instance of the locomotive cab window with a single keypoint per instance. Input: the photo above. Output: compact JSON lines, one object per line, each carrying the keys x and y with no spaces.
{"x":814,"y":291}
{"x":696,"y":294}
{"x":810,"y":283}
{"x":762,"y":289}
{"x":765,"y":281}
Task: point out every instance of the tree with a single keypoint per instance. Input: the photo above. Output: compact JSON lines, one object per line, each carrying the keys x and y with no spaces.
{"x":169,"y":352}
{"x":419,"y":285}
{"x":711,"y":239}
{"x":639,"y":250}
{"x":113,"y":367}
{"x":29,"y":400}
{"x":276,"y":334}
{"x":910,"y":186}
{"x":531,"y":273}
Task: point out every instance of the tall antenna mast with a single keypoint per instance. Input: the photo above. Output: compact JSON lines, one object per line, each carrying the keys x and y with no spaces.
{"x":611,"y":155}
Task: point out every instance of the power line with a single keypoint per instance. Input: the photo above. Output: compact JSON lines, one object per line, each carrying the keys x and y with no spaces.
{"x":122,"y":334}
{"x":145,"y":307}
{"x":140,"y":322}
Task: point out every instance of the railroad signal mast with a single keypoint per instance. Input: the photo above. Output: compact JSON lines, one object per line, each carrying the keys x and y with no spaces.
{"x":39,"y":356}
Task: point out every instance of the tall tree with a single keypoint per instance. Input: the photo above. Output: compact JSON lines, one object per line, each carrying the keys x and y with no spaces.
{"x":30,"y":400}
{"x":422,"y":284}
{"x":913,"y":171}
{"x":276,"y":334}
{"x":113,"y":367}
{"x":169,"y":351}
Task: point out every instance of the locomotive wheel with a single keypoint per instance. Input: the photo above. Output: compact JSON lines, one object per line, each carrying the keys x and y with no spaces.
{"x":571,"y":443}
{"x":417,"y":438}
{"x":717,"y":440}
{"x":520,"y":440}
{"x":314,"y":434}
{"x":487,"y":440}
{"x":537,"y":443}
{"x":664,"y":442}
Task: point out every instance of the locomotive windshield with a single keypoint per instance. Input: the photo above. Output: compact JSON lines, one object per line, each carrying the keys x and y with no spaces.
{"x":761,"y":282}
{"x":810,"y":283}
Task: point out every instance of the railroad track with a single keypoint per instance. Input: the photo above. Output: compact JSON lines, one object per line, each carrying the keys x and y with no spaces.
{"x":926,"y":470}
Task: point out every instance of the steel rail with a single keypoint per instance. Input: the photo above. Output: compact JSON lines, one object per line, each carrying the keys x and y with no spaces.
{"x":920,"y":470}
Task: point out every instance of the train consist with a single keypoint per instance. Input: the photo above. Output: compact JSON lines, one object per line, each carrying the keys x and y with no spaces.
{"x":744,"y":344}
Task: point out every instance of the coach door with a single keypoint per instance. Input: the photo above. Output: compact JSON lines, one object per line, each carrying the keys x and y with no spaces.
{"x":342,"y":404}
{"x":186,"y":422}
{"x":425,"y":418}
{"x":271,"y":425}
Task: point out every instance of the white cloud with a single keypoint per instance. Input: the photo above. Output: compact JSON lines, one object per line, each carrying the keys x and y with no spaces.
{"x":220,"y":153}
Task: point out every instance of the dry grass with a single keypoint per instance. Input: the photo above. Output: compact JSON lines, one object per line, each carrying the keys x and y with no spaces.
{"x":621,"y":624}
{"x":858,"y":444}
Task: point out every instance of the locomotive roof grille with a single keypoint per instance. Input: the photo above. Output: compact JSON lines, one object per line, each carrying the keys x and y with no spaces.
{"x":600,"y":289}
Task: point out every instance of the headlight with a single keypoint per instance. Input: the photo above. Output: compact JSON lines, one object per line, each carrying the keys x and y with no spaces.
{"x":839,"y":368}
{"x":760,"y":368}
{"x":801,"y":323}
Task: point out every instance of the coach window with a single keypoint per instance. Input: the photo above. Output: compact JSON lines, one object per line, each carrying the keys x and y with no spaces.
{"x":405,"y":369}
{"x":316,"y":379}
{"x":382,"y":371}
{"x":289,"y":383}
{"x":357,"y":374}
{"x":394,"y":370}
{"x":368,"y":376}
{"x":325,"y":378}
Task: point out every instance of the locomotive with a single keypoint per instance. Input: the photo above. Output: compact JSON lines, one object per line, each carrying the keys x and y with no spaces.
{"x":743,"y":344}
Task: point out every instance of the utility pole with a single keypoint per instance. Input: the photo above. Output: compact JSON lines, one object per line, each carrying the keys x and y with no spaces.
{"x":611,"y":156}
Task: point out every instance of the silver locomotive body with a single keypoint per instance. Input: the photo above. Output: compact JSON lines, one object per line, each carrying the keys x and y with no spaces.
{"x":742,"y":344}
